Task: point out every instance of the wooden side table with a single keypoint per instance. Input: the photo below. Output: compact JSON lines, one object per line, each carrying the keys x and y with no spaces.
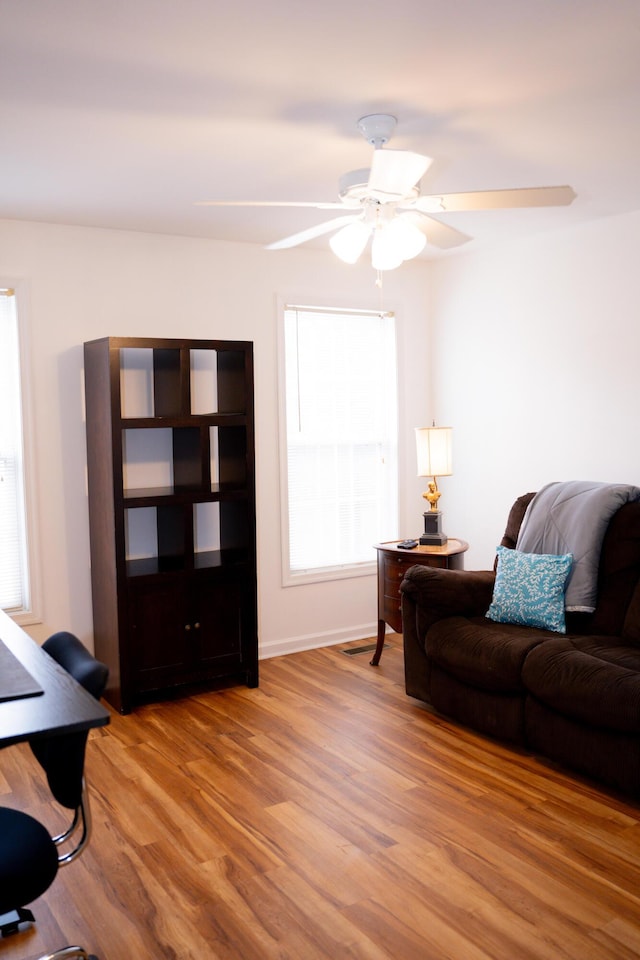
{"x":393,"y":562}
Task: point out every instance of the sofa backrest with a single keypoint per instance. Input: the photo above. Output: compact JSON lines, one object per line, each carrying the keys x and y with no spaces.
{"x":514,"y":520}
{"x":618,"y":575}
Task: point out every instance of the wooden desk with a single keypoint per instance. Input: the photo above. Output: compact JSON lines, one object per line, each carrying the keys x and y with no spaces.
{"x":392,"y":564}
{"x":64,"y":706}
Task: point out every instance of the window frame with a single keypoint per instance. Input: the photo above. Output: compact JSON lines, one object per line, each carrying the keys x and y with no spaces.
{"x":337,"y":571}
{"x":32,"y":612}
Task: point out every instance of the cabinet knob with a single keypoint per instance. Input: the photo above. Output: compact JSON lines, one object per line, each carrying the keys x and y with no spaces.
{"x":187,"y":626}
{"x":196,"y":626}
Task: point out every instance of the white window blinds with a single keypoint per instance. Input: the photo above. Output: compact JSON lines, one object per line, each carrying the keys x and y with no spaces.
{"x":341,"y":437}
{"x":14,"y":583}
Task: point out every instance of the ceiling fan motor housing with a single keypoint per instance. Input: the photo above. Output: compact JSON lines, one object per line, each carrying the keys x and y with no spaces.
{"x":355,"y":189}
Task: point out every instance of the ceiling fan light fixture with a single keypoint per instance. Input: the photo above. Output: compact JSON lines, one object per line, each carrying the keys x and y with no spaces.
{"x":394,"y":242}
{"x":385,"y":254}
{"x":349,"y":242}
{"x":408,"y":238}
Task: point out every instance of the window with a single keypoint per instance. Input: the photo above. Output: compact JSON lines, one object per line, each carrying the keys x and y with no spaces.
{"x":15,"y":589}
{"x":339,"y":440}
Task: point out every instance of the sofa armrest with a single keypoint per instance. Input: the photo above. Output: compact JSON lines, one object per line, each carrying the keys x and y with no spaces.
{"x":449,"y":593}
{"x":430,"y":594}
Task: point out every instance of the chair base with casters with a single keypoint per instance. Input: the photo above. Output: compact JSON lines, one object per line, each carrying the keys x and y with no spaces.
{"x":29,"y":856}
{"x":12,"y":921}
{"x":24,"y":841}
{"x":21,"y":833}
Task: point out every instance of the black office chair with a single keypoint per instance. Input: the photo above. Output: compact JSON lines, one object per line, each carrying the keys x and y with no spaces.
{"x":29,"y":857}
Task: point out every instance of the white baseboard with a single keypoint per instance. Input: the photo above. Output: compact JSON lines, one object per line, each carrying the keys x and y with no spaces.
{"x":311,"y":641}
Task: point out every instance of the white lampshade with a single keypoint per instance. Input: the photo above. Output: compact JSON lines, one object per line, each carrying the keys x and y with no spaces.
{"x":349,"y":242}
{"x":409,"y":239}
{"x":385,"y":253}
{"x":396,"y":238}
{"x":394,"y":242}
{"x":433,"y":447}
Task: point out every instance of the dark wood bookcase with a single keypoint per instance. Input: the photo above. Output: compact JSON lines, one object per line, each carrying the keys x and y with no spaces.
{"x":171,"y":479}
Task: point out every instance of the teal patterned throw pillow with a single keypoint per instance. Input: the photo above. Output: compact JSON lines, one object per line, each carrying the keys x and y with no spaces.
{"x":529,"y":589}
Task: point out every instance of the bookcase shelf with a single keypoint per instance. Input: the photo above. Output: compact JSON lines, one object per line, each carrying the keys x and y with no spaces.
{"x":171,"y":475}
{"x":150,"y":496}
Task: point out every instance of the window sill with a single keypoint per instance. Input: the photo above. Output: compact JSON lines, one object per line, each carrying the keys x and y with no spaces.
{"x":323,"y":574}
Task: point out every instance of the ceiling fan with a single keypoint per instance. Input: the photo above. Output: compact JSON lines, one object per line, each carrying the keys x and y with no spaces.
{"x":384,"y":203}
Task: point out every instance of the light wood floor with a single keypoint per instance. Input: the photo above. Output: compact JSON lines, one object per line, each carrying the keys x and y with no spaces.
{"x":327,"y":815}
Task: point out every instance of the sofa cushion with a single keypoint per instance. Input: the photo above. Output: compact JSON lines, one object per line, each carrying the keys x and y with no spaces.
{"x":529,"y":589}
{"x":481,"y":653}
{"x":608,"y":755}
{"x":595,"y":680}
{"x":499,"y":715}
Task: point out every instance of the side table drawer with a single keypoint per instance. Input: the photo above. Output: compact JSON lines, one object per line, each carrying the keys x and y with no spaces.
{"x":394,"y":571}
{"x":396,"y":567}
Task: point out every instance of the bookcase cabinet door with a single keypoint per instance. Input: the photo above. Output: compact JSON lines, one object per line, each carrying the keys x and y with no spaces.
{"x":158,"y":640}
{"x":186,"y":630}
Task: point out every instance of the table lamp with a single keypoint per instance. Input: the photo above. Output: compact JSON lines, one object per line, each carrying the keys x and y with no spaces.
{"x":433,"y":447}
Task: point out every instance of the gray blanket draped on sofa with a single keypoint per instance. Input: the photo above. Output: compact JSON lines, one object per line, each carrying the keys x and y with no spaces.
{"x":572,"y":517}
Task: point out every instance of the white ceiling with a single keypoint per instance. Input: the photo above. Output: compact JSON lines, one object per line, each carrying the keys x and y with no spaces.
{"x":124,"y":113}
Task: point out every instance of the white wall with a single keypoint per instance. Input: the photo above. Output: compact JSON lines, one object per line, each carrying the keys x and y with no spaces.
{"x":88,"y":283}
{"x":537,"y":346}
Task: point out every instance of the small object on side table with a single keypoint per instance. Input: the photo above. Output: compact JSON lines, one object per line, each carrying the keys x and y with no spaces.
{"x":393,"y":561}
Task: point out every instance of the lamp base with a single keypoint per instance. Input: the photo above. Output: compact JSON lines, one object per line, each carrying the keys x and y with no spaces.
{"x":433,"y":535}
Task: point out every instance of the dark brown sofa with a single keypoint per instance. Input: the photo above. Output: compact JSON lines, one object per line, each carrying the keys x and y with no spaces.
{"x":574,"y":697}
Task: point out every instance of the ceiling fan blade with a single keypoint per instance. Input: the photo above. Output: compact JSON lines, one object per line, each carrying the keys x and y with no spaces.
{"x":438,"y":234}
{"x":312,"y":232}
{"x":496,"y":199}
{"x":394,"y":173}
{"x":336,"y":205}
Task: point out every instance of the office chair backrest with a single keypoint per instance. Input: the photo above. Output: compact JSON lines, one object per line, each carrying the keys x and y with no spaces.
{"x":62,"y":757}
{"x":67,"y":650}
